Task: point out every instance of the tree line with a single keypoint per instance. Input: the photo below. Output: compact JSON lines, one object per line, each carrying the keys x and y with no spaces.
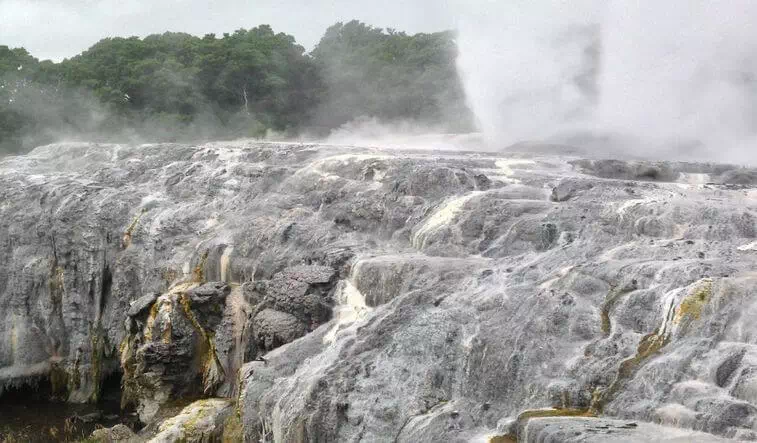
{"x":180,"y":87}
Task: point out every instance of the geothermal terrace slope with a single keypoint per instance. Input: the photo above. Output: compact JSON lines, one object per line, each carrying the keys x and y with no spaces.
{"x":352,"y":294}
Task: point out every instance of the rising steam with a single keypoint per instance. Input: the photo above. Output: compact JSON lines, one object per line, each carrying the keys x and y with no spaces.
{"x":677,"y":77}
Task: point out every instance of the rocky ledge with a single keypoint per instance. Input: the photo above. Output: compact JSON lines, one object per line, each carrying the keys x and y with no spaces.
{"x":294,"y":292}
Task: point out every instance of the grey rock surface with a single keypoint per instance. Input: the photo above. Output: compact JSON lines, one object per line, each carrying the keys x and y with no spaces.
{"x":201,"y":422}
{"x":172,"y":354}
{"x":436,"y":295}
{"x":275,"y":328}
{"x":596,"y":430}
{"x":142,"y":304}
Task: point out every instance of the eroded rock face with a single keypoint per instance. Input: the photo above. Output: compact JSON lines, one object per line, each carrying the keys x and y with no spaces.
{"x":201,"y":422}
{"x":593,"y":292}
{"x":171,"y":351}
{"x":294,"y":302}
{"x":383,"y":295}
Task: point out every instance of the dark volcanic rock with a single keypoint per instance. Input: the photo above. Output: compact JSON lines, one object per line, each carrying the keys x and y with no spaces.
{"x":209,"y":302}
{"x":190,"y":345}
{"x":305,"y":292}
{"x":142,"y":304}
{"x":274,"y":328}
{"x":568,"y":188}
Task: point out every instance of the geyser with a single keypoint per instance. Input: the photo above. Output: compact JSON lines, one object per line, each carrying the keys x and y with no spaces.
{"x":672,"y":76}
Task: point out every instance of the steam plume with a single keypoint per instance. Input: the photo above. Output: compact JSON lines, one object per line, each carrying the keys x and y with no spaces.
{"x":679,"y":77}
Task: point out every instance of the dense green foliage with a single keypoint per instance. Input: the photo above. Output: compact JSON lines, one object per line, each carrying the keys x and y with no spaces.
{"x":177,"y":86}
{"x":389,"y":75}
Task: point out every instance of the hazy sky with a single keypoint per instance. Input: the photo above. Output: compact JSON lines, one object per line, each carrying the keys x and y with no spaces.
{"x":57,"y":29}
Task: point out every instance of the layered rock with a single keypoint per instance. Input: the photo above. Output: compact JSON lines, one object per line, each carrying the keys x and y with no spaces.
{"x":172,"y":349}
{"x":587,"y":430}
{"x":347,"y":294}
{"x":289,"y":305}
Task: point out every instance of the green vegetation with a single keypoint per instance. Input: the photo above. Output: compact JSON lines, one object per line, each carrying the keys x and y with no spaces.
{"x":176,"y":86}
{"x":389,"y":75}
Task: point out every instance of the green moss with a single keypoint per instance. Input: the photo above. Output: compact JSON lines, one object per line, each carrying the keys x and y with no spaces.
{"x":232,"y":428}
{"x":169,"y":276}
{"x":154,"y":310}
{"x":57,"y":285}
{"x":129,"y":388}
{"x":59,"y":381}
{"x":690,"y":308}
{"x":74,"y":382}
{"x":190,"y":418}
{"x":96,"y":342}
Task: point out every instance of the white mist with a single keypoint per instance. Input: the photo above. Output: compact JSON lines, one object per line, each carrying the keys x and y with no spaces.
{"x":672,"y":74}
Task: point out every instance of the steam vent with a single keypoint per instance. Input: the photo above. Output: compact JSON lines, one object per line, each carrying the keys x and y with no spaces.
{"x":274,"y":292}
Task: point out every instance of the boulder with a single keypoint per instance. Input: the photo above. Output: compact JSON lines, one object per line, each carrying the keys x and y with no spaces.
{"x":272,"y":329}
{"x":201,"y":422}
{"x":190,"y":345}
{"x":116,"y":434}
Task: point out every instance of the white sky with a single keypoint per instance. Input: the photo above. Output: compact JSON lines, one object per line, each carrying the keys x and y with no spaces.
{"x":57,"y":29}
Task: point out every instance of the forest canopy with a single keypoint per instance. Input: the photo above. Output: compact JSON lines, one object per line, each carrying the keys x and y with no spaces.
{"x":180,"y":87}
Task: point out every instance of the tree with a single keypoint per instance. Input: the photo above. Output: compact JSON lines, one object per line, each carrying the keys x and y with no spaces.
{"x":389,"y":75}
{"x":175,"y":86}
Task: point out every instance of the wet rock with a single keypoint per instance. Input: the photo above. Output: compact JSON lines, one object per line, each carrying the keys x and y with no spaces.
{"x":214,"y":293}
{"x":209,"y":300}
{"x":745,"y":386}
{"x":275,"y":328}
{"x":482,"y":182}
{"x":740,"y":176}
{"x":201,"y":422}
{"x":88,"y":418}
{"x":728,"y":368}
{"x":651,"y":227}
{"x":304,"y":292}
{"x":569,"y":188}
{"x":190,"y":345}
{"x":141,"y":304}
{"x":606,"y":430}
{"x":159,"y":361}
{"x":598,"y":302}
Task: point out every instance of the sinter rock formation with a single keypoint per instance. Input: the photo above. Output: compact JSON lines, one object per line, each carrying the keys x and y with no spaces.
{"x":323,"y":293}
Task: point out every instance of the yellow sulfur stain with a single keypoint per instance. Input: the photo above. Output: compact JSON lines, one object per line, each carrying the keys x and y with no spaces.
{"x":648,"y":346}
{"x":129,"y":232}
{"x":555,"y":412}
{"x":212,"y":369}
{"x":693,"y":304}
{"x":198,"y":273}
{"x":541,"y":413}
